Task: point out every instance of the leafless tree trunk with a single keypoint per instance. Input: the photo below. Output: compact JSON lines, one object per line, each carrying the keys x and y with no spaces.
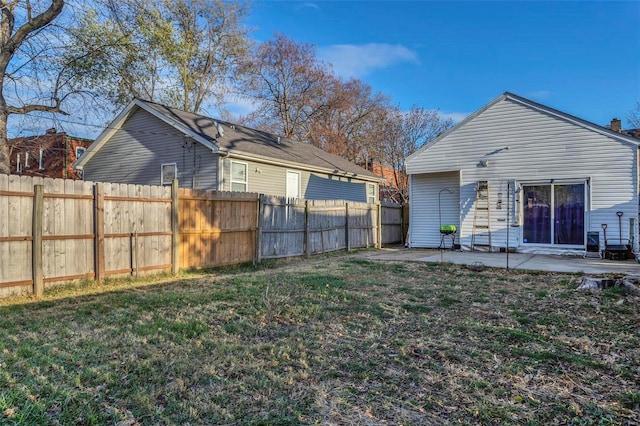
{"x":11,"y":39}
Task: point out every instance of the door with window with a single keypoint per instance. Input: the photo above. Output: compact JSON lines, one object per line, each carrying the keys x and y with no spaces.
{"x":553,"y":214}
{"x":293,"y":184}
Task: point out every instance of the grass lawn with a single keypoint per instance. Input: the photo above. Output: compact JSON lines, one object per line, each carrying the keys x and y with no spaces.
{"x":340,"y":340}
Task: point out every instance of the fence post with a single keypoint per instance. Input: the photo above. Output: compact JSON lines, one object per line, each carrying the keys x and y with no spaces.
{"x":258,"y":251}
{"x":402,"y":223}
{"x":175,"y":231}
{"x":379,"y":231}
{"x":307,"y":245}
{"x":346,"y":226}
{"x":36,"y":242}
{"x":98,"y":217}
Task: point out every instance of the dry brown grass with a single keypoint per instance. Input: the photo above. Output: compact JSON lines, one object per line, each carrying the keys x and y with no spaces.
{"x":339,"y":340}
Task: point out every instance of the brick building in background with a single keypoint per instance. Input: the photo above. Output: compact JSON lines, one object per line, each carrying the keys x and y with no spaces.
{"x":49,"y":155}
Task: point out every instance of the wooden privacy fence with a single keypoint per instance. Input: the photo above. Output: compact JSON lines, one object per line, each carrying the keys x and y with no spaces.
{"x":292,"y":227}
{"x":395,"y":222}
{"x":55,"y":230}
{"x":216,"y":228}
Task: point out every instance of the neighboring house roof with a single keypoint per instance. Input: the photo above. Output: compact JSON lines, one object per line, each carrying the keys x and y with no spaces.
{"x":622,"y":137}
{"x":228,"y":138}
{"x":635,"y":133}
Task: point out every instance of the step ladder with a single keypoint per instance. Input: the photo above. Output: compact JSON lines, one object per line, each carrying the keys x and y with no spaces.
{"x":481,"y":233}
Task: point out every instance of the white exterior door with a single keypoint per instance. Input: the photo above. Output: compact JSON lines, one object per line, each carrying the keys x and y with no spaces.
{"x":293,"y":184}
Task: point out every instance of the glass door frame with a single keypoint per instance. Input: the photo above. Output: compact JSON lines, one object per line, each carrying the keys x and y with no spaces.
{"x":552,"y":183}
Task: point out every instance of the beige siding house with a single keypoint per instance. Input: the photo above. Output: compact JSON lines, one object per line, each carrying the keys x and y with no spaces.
{"x":151,"y":144}
{"x":552,"y":178}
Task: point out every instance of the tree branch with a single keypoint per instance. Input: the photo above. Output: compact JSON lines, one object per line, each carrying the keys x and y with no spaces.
{"x":35,"y":107}
{"x":41,"y":20}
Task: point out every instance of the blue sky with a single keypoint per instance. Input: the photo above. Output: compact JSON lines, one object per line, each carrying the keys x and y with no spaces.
{"x":582,"y":58}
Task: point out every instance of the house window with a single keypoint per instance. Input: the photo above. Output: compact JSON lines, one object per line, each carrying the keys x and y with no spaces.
{"x":168,"y":172}
{"x":79,"y":151}
{"x":26,"y":160}
{"x":19,"y":164}
{"x":41,"y":160}
{"x":371,"y":193}
{"x":239,"y":177}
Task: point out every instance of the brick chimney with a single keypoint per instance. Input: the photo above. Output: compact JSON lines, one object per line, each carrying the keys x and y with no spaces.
{"x":616,"y":125}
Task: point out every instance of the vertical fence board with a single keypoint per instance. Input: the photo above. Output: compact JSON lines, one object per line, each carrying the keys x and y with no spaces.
{"x":19,"y":208}
{"x":36,"y":251}
{"x":60,"y":245}
{"x":99,"y":242}
{"x":4,"y":232}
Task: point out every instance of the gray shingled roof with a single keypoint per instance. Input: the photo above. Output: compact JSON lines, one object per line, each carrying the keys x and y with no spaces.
{"x":632,"y":132}
{"x":257,"y":143}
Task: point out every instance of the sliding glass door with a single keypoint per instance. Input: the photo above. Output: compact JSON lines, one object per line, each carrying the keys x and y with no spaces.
{"x":553,"y":214}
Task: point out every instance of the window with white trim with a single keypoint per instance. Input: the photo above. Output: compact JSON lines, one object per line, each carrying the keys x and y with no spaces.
{"x":239,"y":176}
{"x":19,"y":164}
{"x":41,"y":160}
{"x":371,"y":193}
{"x":168,"y":172}
{"x":79,"y":151}
{"x":26,"y":160}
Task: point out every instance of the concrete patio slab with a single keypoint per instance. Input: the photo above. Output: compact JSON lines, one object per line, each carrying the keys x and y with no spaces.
{"x":533,"y":262}
{"x":538,"y":262}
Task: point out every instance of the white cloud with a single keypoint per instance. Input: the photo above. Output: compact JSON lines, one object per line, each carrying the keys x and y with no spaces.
{"x":308,"y":5}
{"x":350,"y":60}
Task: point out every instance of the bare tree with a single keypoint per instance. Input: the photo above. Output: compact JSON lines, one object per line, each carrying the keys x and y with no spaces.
{"x":24,"y":45}
{"x":288,"y":84}
{"x":408,"y":131}
{"x":349,"y":125}
{"x":634,"y":116}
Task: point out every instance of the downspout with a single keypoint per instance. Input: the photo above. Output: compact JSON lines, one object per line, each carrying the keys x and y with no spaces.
{"x":221,"y":156}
